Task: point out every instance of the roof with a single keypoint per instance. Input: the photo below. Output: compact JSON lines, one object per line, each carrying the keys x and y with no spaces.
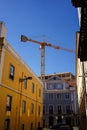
{"x":68,"y":77}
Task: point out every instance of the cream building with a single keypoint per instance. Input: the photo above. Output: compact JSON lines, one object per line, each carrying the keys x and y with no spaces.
{"x":81,"y":61}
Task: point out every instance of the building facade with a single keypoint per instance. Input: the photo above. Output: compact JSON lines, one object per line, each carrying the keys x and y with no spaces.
{"x":81,"y":67}
{"x":81,"y":61}
{"x":60,"y":100}
{"x":21,"y":92}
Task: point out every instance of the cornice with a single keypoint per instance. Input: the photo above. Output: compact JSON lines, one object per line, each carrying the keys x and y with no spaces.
{"x":8,"y":47}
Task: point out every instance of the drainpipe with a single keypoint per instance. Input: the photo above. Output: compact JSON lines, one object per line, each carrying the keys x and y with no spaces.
{"x":85,"y":88}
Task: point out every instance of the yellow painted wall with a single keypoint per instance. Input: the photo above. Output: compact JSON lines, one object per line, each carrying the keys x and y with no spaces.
{"x":16,"y":89}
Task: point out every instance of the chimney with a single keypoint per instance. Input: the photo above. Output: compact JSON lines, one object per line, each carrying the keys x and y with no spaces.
{"x":3,"y":30}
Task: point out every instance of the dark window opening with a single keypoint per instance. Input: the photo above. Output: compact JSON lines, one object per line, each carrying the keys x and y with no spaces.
{"x":22,"y":127}
{"x":44,"y":109}
{"x":59,"y":109}
{"x":11,"y":73}
{"x":50,"y":109}
{"x":7,"y":124}
{"x":68,"y":109}
{"x":8,"y":103}
{"x":31,"y":126}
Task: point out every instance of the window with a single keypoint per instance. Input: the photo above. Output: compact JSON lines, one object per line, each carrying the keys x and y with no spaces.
{"x":50,"y":86}
{"x":33,"y":87}
{"x":32,"y":108}
{"x":51,"y":96}
{"x":58,"y":96}
{"x":39,"y":92}
{"x":23,"y":106}
{"x":44,"y":123}
{"x":25,"y":82}
{"x":7,"y":124}
{"x":22,"y":127}
{"x":8,"y":103}
{"x":59,"y":86}
{"x":50,"y":109}
{"x":11,"y":73}
{"x":45,"y":96}
{"x":67,"y":96}
{"x":59,"y":109}
{"x":38,"y":110}
{"x":43,"y":109}
{"x":31,"y":126}
{"x":67,"y":109}
{"x":38,"y":124}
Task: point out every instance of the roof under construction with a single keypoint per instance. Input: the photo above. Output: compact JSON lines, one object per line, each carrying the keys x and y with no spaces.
{"x":68,"y":77}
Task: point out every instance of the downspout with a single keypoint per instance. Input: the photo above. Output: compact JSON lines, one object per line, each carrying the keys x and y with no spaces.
{"x":85,"y":89}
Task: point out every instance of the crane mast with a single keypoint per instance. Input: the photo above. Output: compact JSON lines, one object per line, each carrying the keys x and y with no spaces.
{"x":42,"y":52}
{"x":42,"y":62}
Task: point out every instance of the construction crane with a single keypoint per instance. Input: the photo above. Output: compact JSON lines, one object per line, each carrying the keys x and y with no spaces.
{"x":42,"y":48}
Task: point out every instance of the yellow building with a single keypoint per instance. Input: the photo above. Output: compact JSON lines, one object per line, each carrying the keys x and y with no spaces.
{"x":21,"y":92}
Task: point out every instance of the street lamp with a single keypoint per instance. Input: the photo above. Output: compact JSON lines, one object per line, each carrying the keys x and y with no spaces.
{"x":23,"y":79}
{"x":24,"y":38}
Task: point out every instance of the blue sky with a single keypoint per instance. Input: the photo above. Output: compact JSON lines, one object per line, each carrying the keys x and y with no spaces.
{"x":55,"y":20}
